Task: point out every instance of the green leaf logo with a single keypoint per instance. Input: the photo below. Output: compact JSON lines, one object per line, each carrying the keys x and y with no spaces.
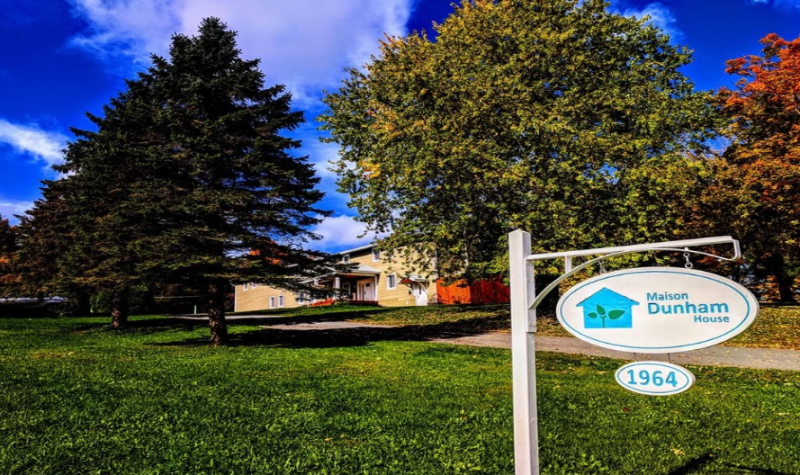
{"x":615,"y":314}
{"x":601,"y":310}
{"x":602,"y":314}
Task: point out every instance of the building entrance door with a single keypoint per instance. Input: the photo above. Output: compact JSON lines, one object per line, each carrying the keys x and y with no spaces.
{"x":366,"y":291}
{"x":420,"y":293}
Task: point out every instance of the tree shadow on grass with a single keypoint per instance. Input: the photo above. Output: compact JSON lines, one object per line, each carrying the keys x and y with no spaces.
{"x":692,"y":465}
{"x":332,"y":315}
{"x":191,"y":322}
{"x":24,"y":314}
{"x":141,"y":326}
{"x":696,"y":464}
{"x":346,"y":337}
{"x":745,"y":470}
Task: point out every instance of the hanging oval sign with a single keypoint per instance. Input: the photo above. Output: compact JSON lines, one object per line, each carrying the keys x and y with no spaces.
{"x":657,"y":310}
{"x":654,"y":378}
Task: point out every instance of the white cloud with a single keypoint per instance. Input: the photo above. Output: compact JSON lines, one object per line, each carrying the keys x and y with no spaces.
{"x":660,"y":16}
{"x":340,"y":233}
{"x":9,"y":208}
{"x":130,"y":28}
{"x":304,"y":44}
{"x":30,"y":139}
{"x":322,"y":155}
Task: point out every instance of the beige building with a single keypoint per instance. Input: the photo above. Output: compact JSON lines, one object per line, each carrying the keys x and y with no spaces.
{"x":374,"y":280}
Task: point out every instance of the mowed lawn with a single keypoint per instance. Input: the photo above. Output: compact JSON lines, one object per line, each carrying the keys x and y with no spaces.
{"x":77,"y":398}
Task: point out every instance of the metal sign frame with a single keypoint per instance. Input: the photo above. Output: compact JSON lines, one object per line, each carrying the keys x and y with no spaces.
{"x":523,"y":324}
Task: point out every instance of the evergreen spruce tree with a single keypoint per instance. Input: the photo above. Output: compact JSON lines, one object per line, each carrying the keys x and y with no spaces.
{"x":188,"y":180}
{"x":8,"y":246}
{"x":52,"y":251}
{"x":235,"y":190}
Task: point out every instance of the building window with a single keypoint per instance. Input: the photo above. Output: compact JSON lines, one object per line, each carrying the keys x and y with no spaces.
{"x":244,"y":286}
{"x":346,"y":258}
{"x":391,"y":281}
{"x":280,"y":301}
{"x":376,"y":254}
{"x":272,"y":302}
{"x":253,"y":285}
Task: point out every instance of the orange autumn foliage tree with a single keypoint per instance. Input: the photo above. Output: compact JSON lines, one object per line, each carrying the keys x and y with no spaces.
{"x":757,"y":191}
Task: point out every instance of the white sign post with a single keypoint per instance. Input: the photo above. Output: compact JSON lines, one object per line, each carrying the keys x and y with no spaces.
{"x":523,"y":355}
{"x":523,"y":327}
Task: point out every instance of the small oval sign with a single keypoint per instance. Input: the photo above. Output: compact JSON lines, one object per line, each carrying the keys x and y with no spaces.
{"x":654,"y":378}
{"x":657,"y":310}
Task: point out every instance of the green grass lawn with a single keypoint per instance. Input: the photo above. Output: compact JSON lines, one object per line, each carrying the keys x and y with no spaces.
{"x":775,"y":327}
{"x":77,"y":398}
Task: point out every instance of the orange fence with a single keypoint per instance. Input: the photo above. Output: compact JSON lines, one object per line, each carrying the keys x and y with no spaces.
{"x":491,"y":290}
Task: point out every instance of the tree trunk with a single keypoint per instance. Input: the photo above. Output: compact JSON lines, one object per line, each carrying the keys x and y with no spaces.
{"x":119,"y":309}
{"x":776,"y":267}
{"x":84,"y":304}
{"x":216,"y":314}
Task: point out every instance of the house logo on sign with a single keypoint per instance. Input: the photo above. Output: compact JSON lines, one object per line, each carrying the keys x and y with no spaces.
{"x":607,"y":309}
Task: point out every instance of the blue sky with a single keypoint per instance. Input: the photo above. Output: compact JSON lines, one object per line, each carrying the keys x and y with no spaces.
{"x":62,"y":58}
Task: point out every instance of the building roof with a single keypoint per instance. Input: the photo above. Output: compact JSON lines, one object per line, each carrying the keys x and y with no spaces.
{"x":363,"y":270}
{"x":362,"y":248}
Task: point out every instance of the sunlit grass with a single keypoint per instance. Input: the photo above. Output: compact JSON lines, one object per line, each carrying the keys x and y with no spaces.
{"x":77,"y":398}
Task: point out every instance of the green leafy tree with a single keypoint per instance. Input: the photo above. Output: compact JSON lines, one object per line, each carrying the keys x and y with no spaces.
{"x":555,"y":117}
{"x":188,"y":180}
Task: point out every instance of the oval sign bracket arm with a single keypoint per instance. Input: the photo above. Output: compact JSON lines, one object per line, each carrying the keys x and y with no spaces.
{"x":570,"y":271}
{"x":541,"y":295}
